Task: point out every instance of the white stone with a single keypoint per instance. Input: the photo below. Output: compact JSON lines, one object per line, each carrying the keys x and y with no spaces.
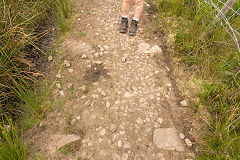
{"x":124,"y":59}
{"x":99,"y":62}
{"x":125,"y":156}
{"x":119,"y":143}
{"x":147,"y":5}
{"x":188,"y":142}
{"x":59,"y":75}
{"x":116,"y":157}
{"x":126,"y":145}
{"x":169,"y":84}
{"x":181,"y":136}
{"x":50,"y":58}
{"x":112,"y":127}
{"x":103,"y":93}
{"x":103,"y":132}
{"x":167,"y":69}
{"x":74,"y":121}
{"x":69,"y":86}
{"x":58,"y":85}
{"x":65,"y":62}
{"x":143,"y":48}
{"x":139,"y":121}
{"x":96,"y":54}
{"x":184,"y":103}
{"x":160,"y":120}
{"x":95,"y":96}
{"x":84,"y":56}
{"x":78,"y":117}
{"x":122,"y":133}
{"x":167,"y":138}
{"x":70,"y":70}
{"x":141,"y":99}
{"x":127,"y":95}
{"x":108,"y":104}
{"x":61,"y":93}
{"x":68,"y":65}
{"x":155,"y":49}
{"x":159,"y":155}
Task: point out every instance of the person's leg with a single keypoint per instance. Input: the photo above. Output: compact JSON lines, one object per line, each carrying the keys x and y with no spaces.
{"x":138,"y":8}
{"x":125,"y":9}
{"x":137,"y":13}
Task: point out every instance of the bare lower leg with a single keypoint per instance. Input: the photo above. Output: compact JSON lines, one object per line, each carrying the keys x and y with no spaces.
{"x":125,"y":7}
{"x":138,"y":8}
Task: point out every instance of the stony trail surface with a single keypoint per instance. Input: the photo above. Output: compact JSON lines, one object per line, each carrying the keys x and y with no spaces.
{"x":123,"y":103}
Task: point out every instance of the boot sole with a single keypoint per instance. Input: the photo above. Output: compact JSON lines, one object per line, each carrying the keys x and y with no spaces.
{"x":123,"y":31}
{"x":132,"y":34}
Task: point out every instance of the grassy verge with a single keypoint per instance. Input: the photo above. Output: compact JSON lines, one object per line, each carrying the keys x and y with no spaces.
{"x":21,"y":30}
{"x":207,"y":49}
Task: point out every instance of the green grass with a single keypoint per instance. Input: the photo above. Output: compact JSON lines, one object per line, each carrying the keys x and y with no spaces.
{"x":69,"y":148}
{"x":21,"y":28}
{"x":11,"y":144}
{"x":81,"y":34}
{"x":211,"y":51}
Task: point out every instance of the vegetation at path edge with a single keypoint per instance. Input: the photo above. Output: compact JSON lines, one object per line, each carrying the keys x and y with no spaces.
{"x":20,"y":29}
{"x":209,"y":50}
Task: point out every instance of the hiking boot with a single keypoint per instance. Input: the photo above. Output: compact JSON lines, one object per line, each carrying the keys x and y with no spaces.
{"x":124,"y":25}
{"x":133,"y":28}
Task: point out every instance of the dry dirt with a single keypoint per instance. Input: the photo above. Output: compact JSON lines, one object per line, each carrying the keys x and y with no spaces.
{"x":121,"y":99}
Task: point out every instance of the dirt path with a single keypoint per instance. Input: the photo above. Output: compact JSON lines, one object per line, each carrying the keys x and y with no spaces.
{"x":121,"y":103}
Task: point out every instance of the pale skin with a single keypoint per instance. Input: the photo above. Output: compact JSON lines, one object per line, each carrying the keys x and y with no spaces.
{"x":137,"y":10}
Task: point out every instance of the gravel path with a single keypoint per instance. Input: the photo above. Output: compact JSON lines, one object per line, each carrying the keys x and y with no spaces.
{"x":124,"y":103}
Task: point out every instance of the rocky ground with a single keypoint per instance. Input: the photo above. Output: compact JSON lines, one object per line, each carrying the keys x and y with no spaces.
{"x":120,"y":98}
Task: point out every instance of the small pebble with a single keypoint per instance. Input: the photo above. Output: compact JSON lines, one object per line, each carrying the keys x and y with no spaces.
{"x":181,"y":136}
{"x":73,"y":121}
{"x":50,"y":58}
{"x":184,"y":103}
{"x":68,"y":65}
{"x":139,"y":121}
{"x":120,"y":144}
{"x":58,"y":85}
{"x":116,"y":157}
{"x":113,"y":128}
{"x":188,"y":142}
{"x":59,"y":75}
{"x":126,"y":145}
{"x":70,"y":70}
{"x":84,"y":56}
{"x":103,"y":132}
{"x":69,"y":86}
{"x":159,"y":155}
{"x":125,"y":156}
{"x":124,"y":59}
{"x":108,"y":104}
{"x":61,"y":93}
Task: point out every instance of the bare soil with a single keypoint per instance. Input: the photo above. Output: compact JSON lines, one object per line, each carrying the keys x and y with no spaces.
{"x":123,"y":90}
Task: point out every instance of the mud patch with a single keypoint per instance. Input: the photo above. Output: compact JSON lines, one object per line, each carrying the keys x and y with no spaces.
{"x":95,"y":72}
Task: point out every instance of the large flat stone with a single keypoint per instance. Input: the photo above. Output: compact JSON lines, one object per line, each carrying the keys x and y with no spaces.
{"x":59,"y":140}
{"x":167,"y":138}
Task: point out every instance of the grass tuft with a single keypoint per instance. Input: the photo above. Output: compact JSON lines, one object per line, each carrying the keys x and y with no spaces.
{"x":11,"y":144}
